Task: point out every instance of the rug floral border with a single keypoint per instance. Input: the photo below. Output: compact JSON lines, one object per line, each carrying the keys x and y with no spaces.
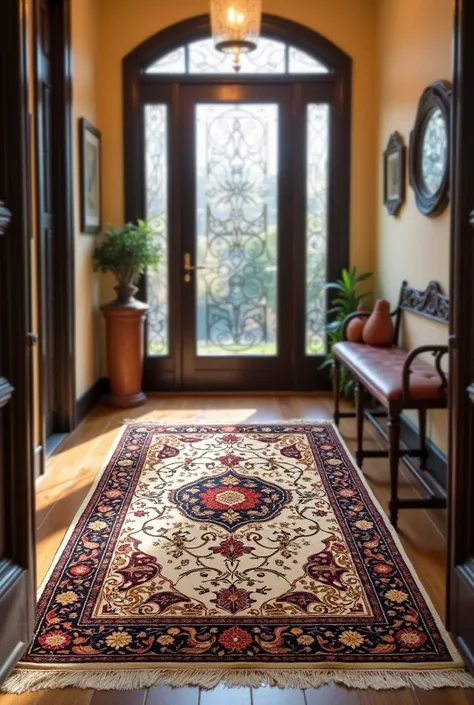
{"x":403,"y":633}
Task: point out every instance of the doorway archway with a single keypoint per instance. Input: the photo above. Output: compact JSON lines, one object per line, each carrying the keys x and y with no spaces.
{"x":245,"y":178}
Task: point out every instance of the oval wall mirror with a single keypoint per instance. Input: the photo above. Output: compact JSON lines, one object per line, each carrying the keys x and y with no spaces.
{"x":429,"y":149}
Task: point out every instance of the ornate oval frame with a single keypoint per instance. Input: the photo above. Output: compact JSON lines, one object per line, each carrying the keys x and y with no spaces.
{"x":436,"y":96}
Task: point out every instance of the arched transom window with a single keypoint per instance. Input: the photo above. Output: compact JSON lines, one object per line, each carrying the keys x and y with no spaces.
{"x":270,"y":57}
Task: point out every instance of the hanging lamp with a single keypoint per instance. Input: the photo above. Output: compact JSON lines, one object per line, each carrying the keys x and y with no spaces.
{"x":235,"y":26}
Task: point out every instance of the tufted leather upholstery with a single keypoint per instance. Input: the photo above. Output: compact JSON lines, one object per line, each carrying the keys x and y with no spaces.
{"x":380,"y":371}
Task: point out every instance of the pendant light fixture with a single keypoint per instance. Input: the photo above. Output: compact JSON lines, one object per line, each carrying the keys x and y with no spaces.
{"x":235,"y":26}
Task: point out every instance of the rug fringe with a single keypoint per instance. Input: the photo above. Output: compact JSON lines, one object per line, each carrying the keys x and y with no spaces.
{"x":23,"y":680}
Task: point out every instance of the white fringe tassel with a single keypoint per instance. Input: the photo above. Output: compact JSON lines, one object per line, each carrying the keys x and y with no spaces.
{"x":23,"y":680}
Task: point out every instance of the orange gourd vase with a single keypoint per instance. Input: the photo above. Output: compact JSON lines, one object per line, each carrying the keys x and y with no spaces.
{"x":356,"y":327}
{"x":379,"y":329}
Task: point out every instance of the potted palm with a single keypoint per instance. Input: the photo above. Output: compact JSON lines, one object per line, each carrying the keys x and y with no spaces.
{"x":126,"y":252}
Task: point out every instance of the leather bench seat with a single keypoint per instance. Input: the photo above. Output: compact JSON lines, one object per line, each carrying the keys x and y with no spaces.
{"x":380,"y":371}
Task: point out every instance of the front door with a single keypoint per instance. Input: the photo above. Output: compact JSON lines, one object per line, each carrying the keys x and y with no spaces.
{"x":235,"y":314}
{"x":245,"y":183}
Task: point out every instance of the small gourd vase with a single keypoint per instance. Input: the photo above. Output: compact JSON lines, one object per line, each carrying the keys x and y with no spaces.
{"x":379,"y":329}
{"x":356,"y":327}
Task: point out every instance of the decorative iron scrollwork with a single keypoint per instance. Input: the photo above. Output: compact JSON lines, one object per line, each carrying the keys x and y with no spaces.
{"x":156,"y":140}
{"x":237,"y":217}
{"x":430,"y":303}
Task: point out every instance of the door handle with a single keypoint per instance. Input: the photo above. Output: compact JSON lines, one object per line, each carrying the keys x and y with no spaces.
{"x":188,"y":267}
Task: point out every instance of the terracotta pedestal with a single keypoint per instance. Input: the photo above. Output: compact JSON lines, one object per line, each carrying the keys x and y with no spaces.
{"x":124,"y":329}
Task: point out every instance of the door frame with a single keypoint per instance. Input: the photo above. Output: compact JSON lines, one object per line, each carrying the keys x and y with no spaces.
{"x":136,"y":84}
{"x":460,"y":587}
{"x":17,"y":566}
{"x":62,"y":177}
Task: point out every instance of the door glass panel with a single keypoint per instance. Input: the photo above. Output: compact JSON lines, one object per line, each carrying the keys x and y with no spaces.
{"x":156,"y":179}
{"x":301,"y":62}
{"x":236,"y":228}
{"x":173,"y":62}
{"x":316,"y":226}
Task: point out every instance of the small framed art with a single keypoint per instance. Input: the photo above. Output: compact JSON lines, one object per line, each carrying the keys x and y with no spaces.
{"x":90,"y":171}
{"x":394,"y":174}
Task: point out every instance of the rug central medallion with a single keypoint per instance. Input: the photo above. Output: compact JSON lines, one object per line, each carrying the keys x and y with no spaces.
{"x":230,"y":500}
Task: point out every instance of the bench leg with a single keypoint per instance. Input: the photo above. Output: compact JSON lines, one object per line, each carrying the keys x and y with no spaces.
{"x":336,"y":376}
{"x":422,"y":427}
{"x":359,"y":399}
{"x":393,"y":454}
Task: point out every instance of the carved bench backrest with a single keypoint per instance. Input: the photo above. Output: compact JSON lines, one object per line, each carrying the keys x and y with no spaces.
{"x":430,"y":303}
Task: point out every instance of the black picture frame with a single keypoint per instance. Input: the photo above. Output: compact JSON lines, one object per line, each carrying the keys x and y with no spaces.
{"x":90,"y":177}
{"x":435,"y":99}
{"x":394,"y":158}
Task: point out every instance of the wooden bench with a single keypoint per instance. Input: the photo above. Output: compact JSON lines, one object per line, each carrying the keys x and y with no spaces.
{"x":398,"y":380}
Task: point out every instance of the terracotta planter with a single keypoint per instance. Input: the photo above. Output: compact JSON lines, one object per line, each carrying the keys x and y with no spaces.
{"x":356,"y":327}
{"x":379,"y":329}
{"x":124,"y":319}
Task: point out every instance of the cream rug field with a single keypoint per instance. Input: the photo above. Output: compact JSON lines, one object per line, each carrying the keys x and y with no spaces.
{"x":239,"y":554}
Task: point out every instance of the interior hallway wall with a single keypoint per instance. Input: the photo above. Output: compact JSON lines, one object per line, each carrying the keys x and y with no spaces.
{"x":85,"y":57}
{"x":415,"y":49}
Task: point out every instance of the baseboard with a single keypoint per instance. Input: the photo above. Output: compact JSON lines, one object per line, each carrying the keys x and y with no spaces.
{"x":86,"y":402}
{"x":436,"y":462}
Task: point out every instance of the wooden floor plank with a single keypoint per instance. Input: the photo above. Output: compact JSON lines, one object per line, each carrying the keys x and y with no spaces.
{"x":163,"y":695}
{"x":277,"y":696}
{"x":403,"y":696}
{"x":118,"y":697}
{"x":225,"y":696}
{"x":443,"y":696}
{"x":66,"y":696}
{"x":332,"y":694}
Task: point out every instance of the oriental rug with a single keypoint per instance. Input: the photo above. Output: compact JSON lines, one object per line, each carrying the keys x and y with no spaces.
{"x":237,"y":554}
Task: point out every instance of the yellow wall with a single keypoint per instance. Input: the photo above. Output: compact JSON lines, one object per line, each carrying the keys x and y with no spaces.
{"x":85,"y":44}
{"x":352,"y":26}
{"x":415,"y":43}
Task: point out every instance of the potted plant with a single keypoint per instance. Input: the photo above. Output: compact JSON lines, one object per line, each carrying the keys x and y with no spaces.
{"x":348,"y":298}
{"x":126,"y":252}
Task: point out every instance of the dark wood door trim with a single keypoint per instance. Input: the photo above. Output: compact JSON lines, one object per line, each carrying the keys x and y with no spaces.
{"x":460,"y":599}
{"x":63,"y":384}
{"x":17,"y":527}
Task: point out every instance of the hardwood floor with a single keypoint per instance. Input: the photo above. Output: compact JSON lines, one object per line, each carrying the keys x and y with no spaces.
{"x":72,"y":469}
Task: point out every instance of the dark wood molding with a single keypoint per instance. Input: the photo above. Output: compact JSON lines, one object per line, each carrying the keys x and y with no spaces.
{"x":437,"y":96}
{"x":17,"y":559}
{"x":395,"y":146}
{"x":64,"y":383}
{"x":460,"y":588}
{"x":86,"y":402}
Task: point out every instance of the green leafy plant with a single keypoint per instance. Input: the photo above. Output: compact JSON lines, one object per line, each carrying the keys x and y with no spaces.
{"x":347,"y":299}
{"x":127,"y":252}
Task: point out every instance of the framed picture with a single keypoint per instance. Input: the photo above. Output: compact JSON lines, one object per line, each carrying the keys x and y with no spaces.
{"x":394,"y":174}
{"x":90,"y":168}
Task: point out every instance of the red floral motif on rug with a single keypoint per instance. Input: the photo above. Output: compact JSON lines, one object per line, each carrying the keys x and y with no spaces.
{"x":258,"y":545}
